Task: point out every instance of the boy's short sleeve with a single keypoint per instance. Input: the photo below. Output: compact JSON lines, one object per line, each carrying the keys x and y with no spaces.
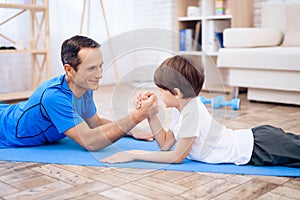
{"x":190,"y":125}
{"x":188,"y":122}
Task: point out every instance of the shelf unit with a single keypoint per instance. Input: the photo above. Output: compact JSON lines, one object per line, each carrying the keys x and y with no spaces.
{"x":38,"y":45}
{"x":238,"y":16}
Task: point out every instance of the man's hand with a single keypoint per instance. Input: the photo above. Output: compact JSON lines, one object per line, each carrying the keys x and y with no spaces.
{"x":119,"y":157}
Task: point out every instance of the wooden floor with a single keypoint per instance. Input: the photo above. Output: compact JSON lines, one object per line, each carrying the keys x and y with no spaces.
{"x":51,"y":181}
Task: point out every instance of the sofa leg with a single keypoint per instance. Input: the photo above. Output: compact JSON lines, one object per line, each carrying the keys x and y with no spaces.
{"x":235,"y":92}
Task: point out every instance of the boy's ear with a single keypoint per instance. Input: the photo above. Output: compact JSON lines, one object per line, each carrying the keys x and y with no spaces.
{"x":177,"y":93}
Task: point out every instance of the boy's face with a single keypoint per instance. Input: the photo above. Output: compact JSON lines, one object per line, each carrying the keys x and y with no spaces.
{"x":89,"y":72}
{"x":168,"y":98}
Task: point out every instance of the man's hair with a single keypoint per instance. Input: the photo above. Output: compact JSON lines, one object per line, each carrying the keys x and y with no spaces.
{"x":180,"y":72}
{"x":71,"y":47}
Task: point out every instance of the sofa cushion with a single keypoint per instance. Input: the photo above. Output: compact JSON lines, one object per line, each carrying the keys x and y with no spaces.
{"x":273,"y":15}
{"x":273,"y":58}
{"x":251,"y":37}
{"x":292,"y":36}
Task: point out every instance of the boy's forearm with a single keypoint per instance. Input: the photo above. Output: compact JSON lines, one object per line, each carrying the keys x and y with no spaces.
{"x":159,"y":157}
{"x":158,"y":131}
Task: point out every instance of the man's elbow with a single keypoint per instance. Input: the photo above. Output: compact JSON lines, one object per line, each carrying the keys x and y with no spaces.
{"x":94,"y":147}
{"x":164,"y":148}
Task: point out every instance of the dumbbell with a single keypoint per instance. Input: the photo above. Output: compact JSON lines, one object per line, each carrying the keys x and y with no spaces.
{"x":219,"y":101}
{"x":215,"y":102}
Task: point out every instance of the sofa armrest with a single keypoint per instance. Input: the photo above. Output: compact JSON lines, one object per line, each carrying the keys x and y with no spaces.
{"x":251,"y":37}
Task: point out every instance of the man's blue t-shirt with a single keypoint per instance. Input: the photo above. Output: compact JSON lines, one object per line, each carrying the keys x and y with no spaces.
{"x":50,"y":111}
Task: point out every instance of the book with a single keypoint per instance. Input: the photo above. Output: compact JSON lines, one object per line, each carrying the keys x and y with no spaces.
{"x":182,"y":40}
{"x":219,"y":36}
{"x":211,"y":45}
{"x":219,"y":7}
{"x":197,"y":43}
{"x":186,"y":39}
{"x":215,"y":30}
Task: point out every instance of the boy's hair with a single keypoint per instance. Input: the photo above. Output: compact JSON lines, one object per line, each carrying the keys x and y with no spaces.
{"x":180,"y":72}
{"x":71,"y":47}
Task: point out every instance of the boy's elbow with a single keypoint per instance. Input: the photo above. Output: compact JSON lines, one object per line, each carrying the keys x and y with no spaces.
{"x":178,"y":160}
{"x":178,"y":157}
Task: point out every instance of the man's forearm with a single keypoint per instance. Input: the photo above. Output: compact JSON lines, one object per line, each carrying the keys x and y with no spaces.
{"x":103,"y":121}
{"x":109,"y":133}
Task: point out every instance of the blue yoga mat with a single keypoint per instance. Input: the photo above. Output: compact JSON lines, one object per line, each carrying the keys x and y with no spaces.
{"x":67,"y":151}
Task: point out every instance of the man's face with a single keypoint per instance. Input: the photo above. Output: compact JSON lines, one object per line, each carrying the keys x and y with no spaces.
{"x":89,"y":72}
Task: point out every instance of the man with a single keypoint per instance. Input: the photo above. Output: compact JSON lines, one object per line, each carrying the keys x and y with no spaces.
{"x":64,"y":106}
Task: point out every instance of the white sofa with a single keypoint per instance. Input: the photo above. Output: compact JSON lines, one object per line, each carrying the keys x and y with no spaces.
{"x":266,"y":60}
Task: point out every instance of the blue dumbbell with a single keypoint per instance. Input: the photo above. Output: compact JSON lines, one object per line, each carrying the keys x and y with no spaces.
{"x":215,"y":102}
{"x":205,"y":101}
{"x":219,"y":101}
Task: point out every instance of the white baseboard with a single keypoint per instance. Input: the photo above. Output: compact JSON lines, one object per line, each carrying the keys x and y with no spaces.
{"x":276,"y":96}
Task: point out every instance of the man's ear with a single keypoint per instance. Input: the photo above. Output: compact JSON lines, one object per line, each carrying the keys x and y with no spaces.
{"x":68,"y":69}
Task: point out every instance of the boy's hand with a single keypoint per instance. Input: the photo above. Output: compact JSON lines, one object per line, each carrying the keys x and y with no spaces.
{"x":141,"y":97}
{"x":124,"y":156}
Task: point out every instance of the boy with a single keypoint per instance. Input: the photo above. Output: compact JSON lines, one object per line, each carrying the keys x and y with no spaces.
{"x":197,"y":135}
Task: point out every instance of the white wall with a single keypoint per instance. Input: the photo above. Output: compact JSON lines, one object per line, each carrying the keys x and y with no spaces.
{"x":133,"y":47}
{"x":65,"y":21}
{"x":14,"y":75}
{"x":159,"y":39}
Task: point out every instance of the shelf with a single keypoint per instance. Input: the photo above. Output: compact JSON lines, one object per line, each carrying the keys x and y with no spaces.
{"x":210,"y":17}
{"x":23,"y":6}
{"x":24,"y":51}
{"x":204,"y":29}
{"x":186,"y":19}
{"x":217,"y":17}
{"x":5,"y":97}
{"x":38,"y":49}
{"x":212,"y":53}
{"x":199,"y":53}
{"x":192,"y":53}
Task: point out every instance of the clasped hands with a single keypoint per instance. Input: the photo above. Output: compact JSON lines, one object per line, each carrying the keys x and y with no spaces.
{"x":148,"y":103}
{"x":147,"y":99}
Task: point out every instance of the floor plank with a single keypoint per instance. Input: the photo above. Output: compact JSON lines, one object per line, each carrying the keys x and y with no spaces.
{"x":249,"y":190}
{"x":19,"y":180}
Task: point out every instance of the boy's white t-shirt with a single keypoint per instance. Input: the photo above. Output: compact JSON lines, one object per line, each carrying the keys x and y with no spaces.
{"x":214,"y":142}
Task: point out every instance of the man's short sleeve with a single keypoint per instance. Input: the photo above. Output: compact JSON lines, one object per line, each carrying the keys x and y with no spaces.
{"x":58,"y":108}
{"x":89,"y":108}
